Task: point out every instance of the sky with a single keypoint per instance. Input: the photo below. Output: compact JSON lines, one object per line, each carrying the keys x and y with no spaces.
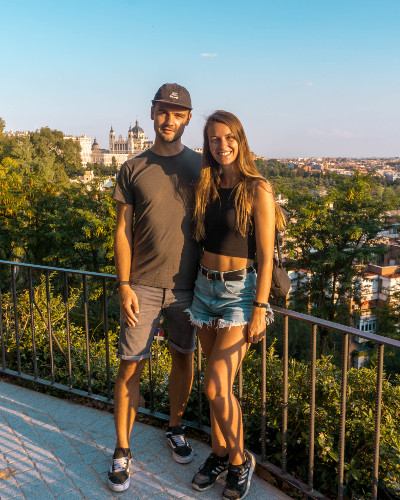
{"x":306,"y":78}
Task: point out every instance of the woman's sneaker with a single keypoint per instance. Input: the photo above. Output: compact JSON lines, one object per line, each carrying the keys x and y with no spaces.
{"x":239,"y":478}
{"x":118,"y":475}
{"x":213,"y":468}
{"x":182,"y":451}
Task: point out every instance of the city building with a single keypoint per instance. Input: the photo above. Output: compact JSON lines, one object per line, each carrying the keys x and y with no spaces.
{"x":121,"y":149}
{"x":86,"y":147}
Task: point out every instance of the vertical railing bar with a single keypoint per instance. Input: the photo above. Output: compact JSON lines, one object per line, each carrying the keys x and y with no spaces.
{"x":49,"y":326}
{"x":16,"y":322}
{"x":107,"y":344}
{"x":348,"y":353}
{"x":3,"y":346}
{"x":66,"y":302}
{"x":311,"y":431}
{"x":151,"y":382}
{"x":32,"y":315}
{"x":263,"y":396}
{"x":377,"y":430}
{"x":199,"y":386}
{"x":342,"y":431}
{"x":86,"y":311}
{"x":285,"y":363}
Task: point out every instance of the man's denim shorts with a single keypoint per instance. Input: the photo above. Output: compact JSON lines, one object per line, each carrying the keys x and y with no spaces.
{"x":135,"y":341}
{"x":228,"y":303}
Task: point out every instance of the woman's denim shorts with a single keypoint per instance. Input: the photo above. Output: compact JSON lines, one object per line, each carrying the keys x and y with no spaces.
{"x":228,"y":303}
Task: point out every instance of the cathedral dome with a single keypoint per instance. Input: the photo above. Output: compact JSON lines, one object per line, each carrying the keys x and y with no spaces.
{"x":95,"y":145}
{"x":137,"y":130}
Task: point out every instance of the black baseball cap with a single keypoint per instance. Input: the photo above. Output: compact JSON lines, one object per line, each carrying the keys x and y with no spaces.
{"x":173,"y":93}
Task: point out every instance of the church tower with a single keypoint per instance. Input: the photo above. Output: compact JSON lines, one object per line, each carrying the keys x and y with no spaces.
{"x":131,"y":146}
{"x":112,"y":139}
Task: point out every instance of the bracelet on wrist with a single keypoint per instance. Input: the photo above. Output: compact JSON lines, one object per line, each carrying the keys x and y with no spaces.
{"x":260,"y":304}
{"x":120,"y":283}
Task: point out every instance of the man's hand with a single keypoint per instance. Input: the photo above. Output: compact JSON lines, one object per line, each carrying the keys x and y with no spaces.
{"x":257,"y":325}
{"x":128,"y":304}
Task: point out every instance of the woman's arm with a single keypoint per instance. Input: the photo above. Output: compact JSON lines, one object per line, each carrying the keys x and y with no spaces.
{"x":264,"y":221}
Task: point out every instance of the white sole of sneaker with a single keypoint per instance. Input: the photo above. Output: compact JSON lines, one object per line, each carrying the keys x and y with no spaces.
{"x":182,"y":460}
{"x":252,"y":467}
{"x":222,"y":475}
{"x":119,"y":487}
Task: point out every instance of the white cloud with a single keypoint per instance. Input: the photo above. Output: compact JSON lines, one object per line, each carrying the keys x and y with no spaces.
{"x":207,"y":54}
{"x":309,"y":84}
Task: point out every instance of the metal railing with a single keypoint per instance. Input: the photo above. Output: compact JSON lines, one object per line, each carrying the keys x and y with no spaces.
{"x":14,"y":275}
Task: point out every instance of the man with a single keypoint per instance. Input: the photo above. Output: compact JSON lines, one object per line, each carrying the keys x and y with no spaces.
{"x":156,"y":263}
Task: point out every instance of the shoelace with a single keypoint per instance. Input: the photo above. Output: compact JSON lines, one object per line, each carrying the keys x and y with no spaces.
{"x":208,"y":466}
{"x":179,"y":439}
{"x":119,"y":464}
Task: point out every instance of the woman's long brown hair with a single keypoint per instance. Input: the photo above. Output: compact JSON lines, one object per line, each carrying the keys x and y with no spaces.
{"x":207,"y":187}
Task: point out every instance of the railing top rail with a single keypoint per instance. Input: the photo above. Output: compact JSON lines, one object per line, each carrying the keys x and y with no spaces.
{"x":59,"y":269}
{"x":337,"y":326}
{"x":280,"y":310}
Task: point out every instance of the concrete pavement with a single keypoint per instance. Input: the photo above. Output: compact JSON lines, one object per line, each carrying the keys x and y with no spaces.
{"x":53,"y":448}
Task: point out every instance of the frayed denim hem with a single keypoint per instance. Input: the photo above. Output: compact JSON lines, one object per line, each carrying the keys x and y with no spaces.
{"x":222,"y":323}
{"x":198,"y":322}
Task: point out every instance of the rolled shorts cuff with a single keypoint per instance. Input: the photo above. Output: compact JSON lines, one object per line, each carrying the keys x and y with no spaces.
{"x":134,"y":358}
{"x":179,"y":349}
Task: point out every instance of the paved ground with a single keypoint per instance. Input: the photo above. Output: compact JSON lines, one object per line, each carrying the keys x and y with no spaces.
{"x":51,"y":448}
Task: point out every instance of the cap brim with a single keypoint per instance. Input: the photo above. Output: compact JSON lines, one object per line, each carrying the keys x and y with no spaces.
{"x":170,"y":102}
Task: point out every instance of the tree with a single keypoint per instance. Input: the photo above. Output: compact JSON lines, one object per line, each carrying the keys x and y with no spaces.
{"x":46,"y":155}
{"x":388,"y":315}
{"x":101,"y":170}
{"x":331,"y":237}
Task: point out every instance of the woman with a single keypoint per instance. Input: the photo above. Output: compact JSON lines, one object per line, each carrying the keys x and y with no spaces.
{"x":235,"y":217}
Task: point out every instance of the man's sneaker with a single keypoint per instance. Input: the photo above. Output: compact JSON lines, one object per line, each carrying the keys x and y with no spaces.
{"x":238,"y":478}
{"x":182,"y":451}
{"x":118,"y":475}
{"x":213,"y":468}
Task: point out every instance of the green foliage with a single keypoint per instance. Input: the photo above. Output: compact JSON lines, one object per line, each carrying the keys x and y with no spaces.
{"x":359,"y":422}
{"x":44,"y":154}
{"x":59,"y":339}
{"x":101,"y":170}
{"x":46,"y":220}
{"x":333,"y":236}
{"x":287,"y":180}
{"x":46,"y":224}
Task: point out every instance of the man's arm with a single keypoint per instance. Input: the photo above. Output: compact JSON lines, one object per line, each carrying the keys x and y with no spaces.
{"x":123,"y":259}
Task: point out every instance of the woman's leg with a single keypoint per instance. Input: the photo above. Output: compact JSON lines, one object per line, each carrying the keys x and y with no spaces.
{"x":207,"y":336}
{"x":225,"y":351}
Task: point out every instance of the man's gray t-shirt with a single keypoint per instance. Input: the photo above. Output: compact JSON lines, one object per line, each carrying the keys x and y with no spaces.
{"x":161,"y":188}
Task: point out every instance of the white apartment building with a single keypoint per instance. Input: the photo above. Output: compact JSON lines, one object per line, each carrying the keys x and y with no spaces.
{"x":86,"y":147}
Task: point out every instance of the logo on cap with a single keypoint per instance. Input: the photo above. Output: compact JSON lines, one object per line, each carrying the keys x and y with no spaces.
{"x":174,"y":95}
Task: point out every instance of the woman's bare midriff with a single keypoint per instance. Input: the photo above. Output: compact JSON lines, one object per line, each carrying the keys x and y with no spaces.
{"x":223,"y":263}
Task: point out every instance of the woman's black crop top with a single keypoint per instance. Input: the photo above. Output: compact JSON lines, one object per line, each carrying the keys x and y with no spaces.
{"x":221,"y":236}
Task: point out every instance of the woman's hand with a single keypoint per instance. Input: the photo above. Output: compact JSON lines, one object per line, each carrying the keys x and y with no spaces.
{"x":257,"y":325}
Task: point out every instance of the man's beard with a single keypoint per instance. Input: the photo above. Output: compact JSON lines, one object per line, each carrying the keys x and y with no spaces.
{"x":168,"y":139}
